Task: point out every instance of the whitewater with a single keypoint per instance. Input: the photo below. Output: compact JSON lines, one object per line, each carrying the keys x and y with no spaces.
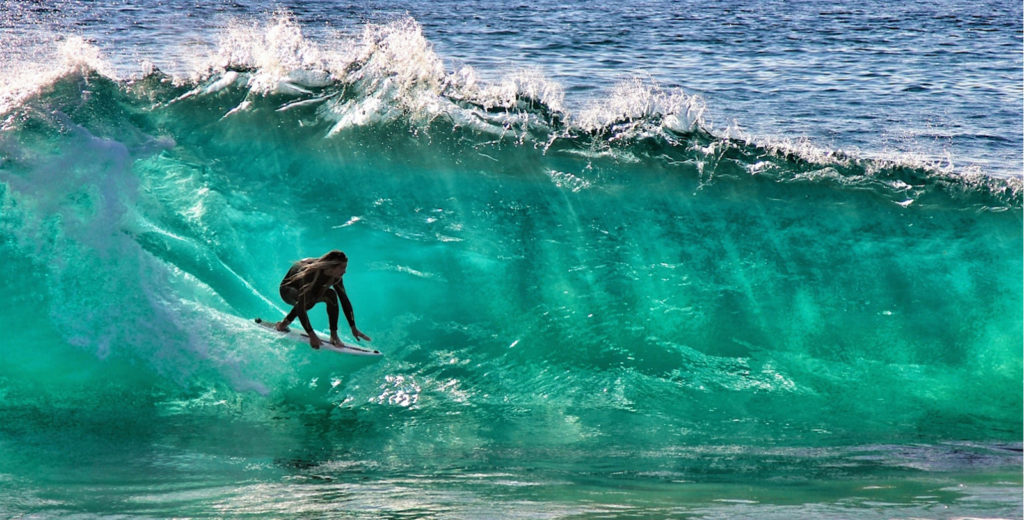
{"x":603,"y":286}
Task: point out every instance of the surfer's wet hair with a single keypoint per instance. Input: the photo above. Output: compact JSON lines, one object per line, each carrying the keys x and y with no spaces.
{"x":334,"y":257}
{"x":311,"y":272}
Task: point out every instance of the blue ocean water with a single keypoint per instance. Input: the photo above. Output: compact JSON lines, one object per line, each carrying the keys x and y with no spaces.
{"x":631,"y":260}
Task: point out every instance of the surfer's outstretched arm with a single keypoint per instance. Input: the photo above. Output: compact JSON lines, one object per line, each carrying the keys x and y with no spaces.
{"x":350,"y":315}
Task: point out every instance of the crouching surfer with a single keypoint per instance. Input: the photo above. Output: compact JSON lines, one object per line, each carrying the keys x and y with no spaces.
{"x":314,"y":280}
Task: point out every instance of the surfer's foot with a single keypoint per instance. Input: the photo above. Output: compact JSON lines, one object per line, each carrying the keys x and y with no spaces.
{"x":282,"y":327}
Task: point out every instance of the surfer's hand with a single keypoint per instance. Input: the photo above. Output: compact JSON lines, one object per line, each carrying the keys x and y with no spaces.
{"x":314,"y":341}
{"x":359,"y":335}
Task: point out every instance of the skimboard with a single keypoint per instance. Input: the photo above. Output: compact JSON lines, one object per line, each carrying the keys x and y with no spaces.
{"x":299,"y":335}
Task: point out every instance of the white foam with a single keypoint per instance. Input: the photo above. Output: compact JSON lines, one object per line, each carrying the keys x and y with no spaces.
{"x":635,"y":103}
{"x":385,"y":71}
{"x":568,"y":181}
{"x":279,"y":56}
{"x":388,"y":72}
{"x":39,"y":64}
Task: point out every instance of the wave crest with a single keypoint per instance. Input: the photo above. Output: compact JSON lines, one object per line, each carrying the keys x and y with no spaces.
{"x":389,"y":74}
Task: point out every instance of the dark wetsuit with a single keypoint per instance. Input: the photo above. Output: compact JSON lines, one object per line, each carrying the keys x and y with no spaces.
{"x":323,"y":290}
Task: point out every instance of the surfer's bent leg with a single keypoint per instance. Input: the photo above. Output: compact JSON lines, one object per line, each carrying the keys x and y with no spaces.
{"x":331,"y":300}
{"x":290,"y":296}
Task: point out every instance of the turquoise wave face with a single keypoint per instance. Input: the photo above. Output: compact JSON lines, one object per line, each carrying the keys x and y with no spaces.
{"x":649,"y":273}
{"x":542,"y":290}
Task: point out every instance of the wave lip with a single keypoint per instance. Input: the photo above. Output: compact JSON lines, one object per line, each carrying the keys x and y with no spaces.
{"x":390,"y":78}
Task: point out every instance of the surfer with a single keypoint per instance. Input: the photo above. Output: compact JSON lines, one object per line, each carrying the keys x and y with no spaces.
{"x":314,"y":280}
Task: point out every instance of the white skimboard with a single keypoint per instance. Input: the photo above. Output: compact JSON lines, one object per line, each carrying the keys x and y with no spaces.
{"x":300,"y":335}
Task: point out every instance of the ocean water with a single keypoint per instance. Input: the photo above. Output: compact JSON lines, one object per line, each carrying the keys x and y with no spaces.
{"x":625,"y":260}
